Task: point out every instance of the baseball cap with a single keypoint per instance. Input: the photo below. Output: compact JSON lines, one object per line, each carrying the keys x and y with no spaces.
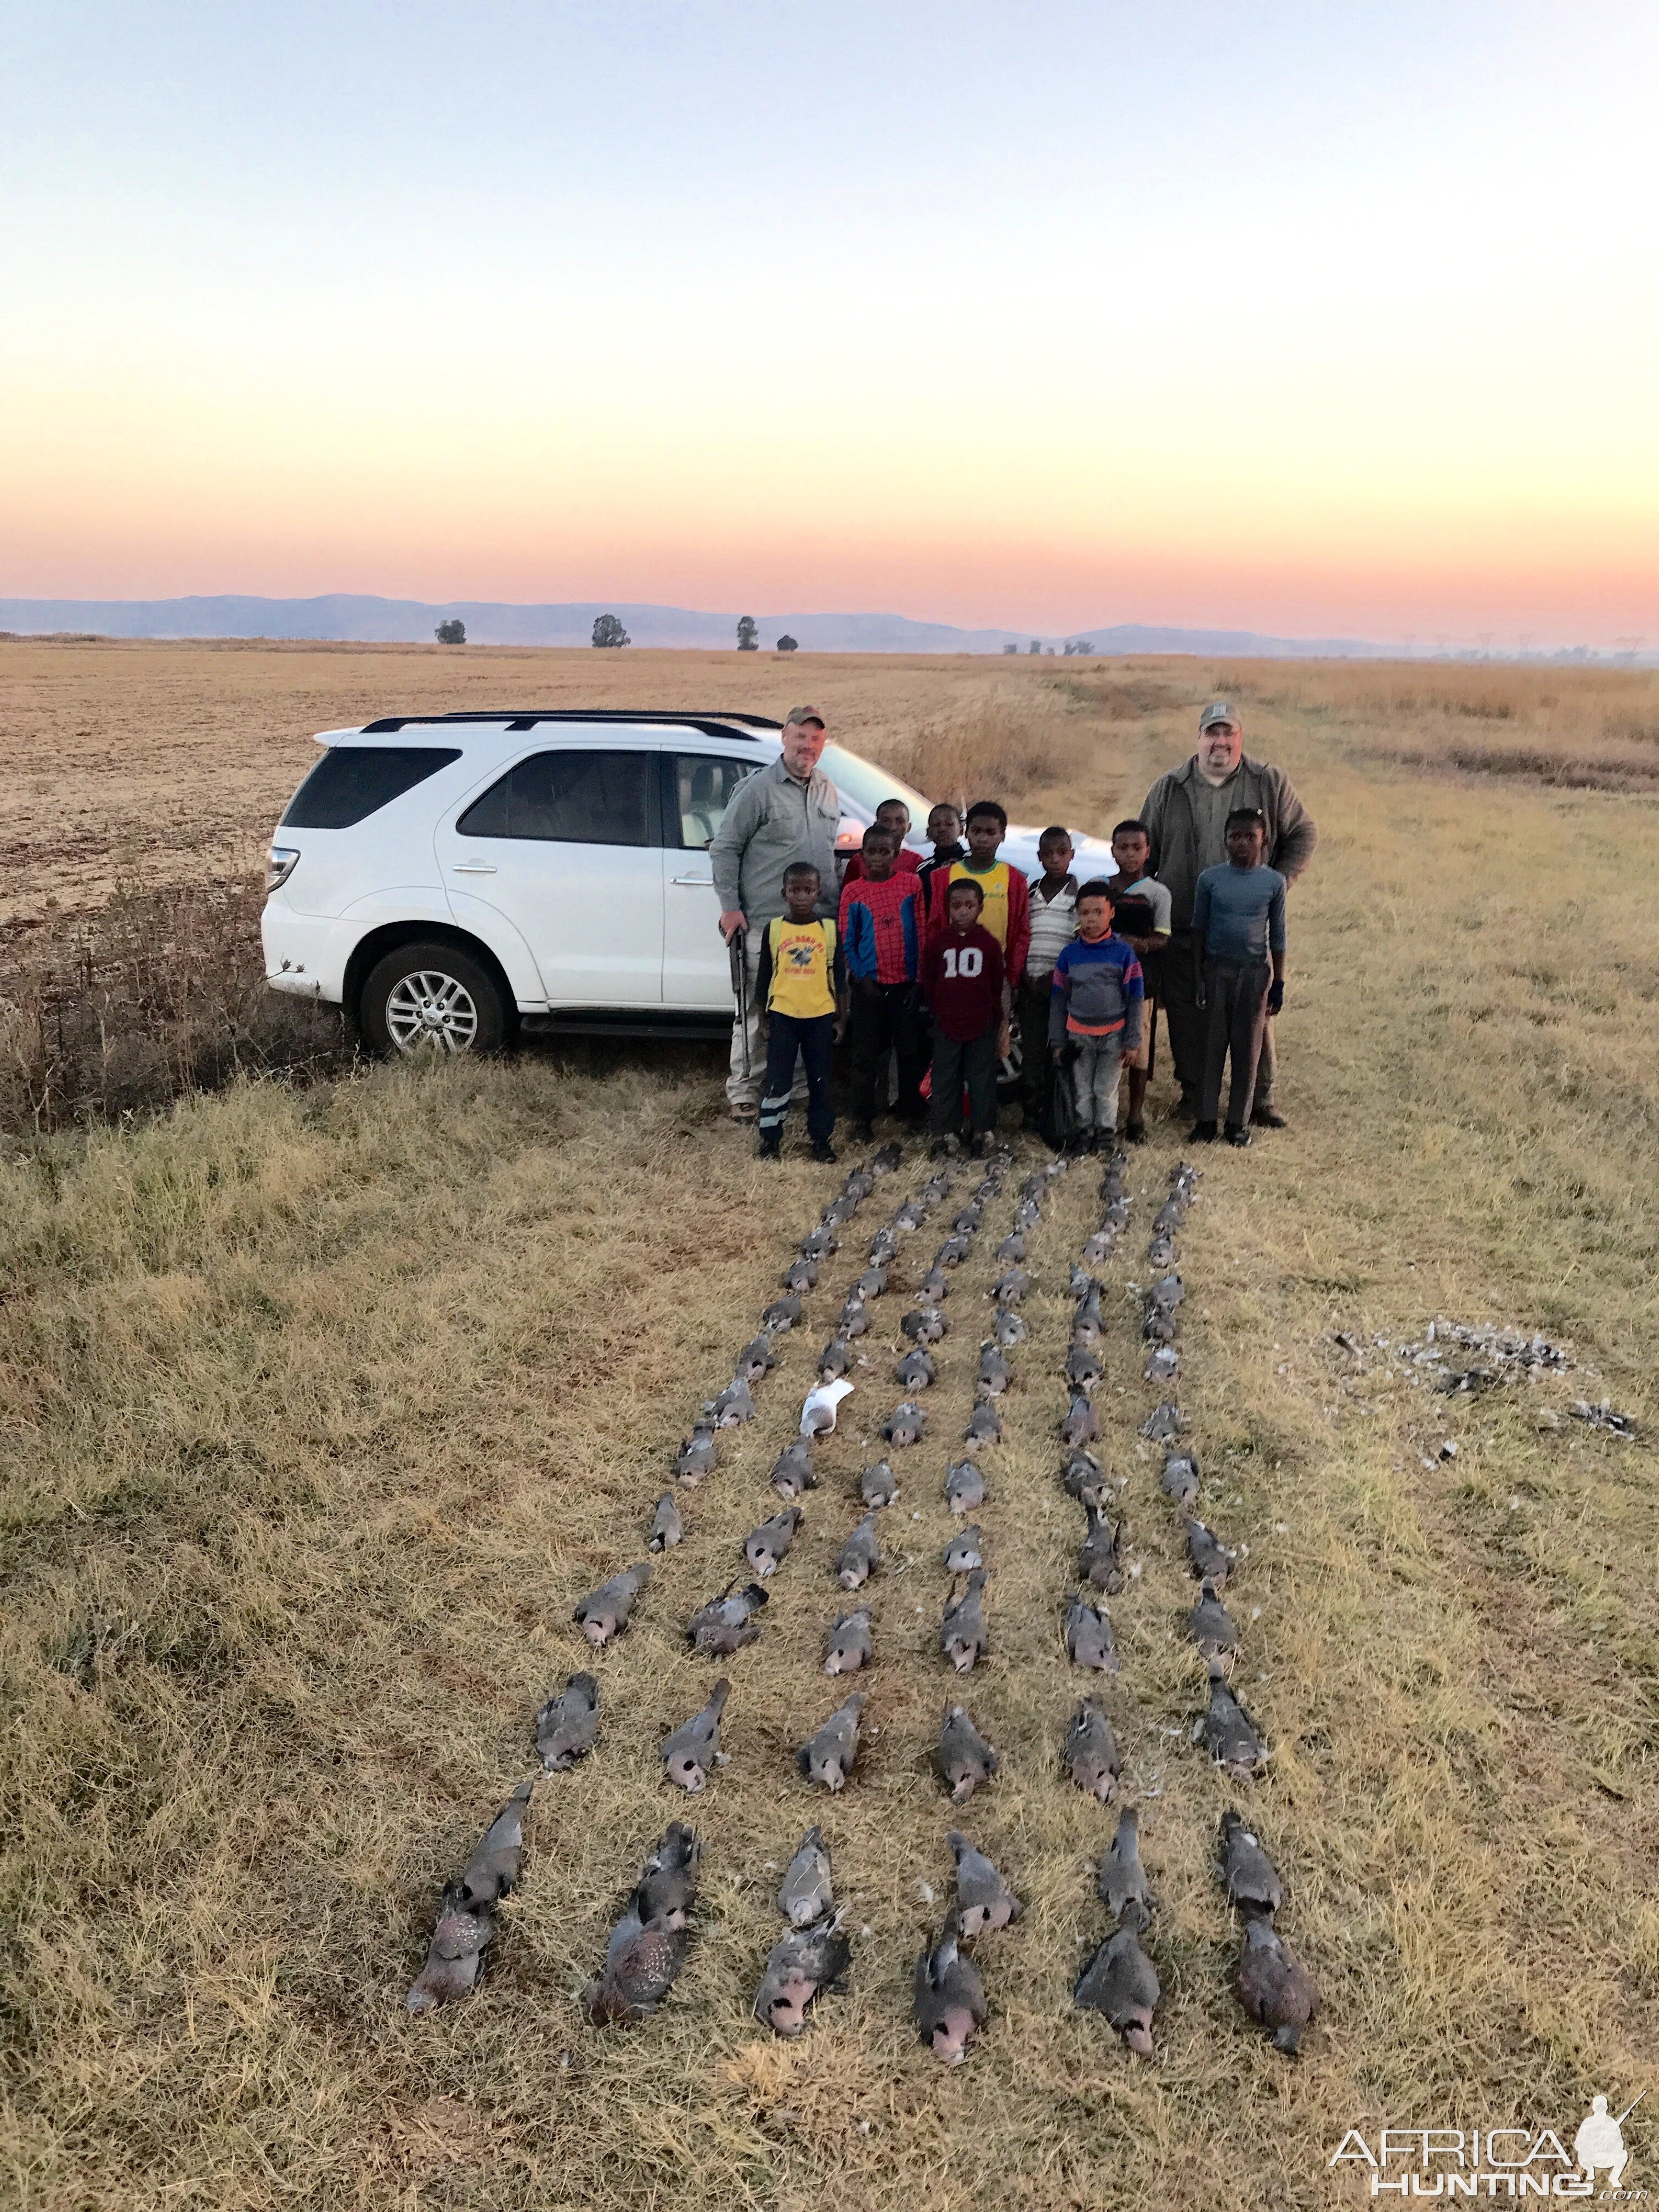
{"x":803,"y":714}
{"x":1216,"y":711}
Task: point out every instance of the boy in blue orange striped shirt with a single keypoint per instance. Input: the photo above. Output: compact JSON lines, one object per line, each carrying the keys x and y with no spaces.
{"x":881,"y":941}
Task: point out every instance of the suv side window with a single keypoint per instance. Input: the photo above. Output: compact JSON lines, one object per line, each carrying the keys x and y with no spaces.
{"x":569,"y":798}
{"x":351,"y":782}
{"x":702,"y":786}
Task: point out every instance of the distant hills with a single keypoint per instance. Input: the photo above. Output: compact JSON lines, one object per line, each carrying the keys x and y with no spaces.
{"x":360,"y":618}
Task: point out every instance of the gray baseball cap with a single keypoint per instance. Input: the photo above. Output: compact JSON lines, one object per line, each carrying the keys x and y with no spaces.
{"x":1216,"y":711}
{"x":803,"y":714}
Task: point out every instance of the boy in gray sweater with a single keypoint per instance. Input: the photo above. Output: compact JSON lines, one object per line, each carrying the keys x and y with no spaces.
{"x":1238,"y":918}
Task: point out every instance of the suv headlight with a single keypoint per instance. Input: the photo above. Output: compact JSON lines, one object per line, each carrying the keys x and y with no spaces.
{"x":280,"y":864}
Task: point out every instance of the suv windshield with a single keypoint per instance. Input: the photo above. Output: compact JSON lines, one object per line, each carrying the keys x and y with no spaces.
{"x":863,"y":786}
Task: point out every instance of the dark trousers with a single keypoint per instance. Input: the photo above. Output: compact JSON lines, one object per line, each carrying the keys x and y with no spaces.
{"x":882,"y":1019}
{"x":1238,"y":1015}
{"x":1036,"y":1064}
{"x":972,"y":1061}
{"x":814,"y":1040}
{"x":1190,"y":1025}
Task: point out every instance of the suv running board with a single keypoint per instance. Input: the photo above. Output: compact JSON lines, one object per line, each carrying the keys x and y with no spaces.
{"x":597,"y":1023}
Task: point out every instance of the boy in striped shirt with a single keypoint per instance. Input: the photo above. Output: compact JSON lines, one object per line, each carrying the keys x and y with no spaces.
{"x":1053,"y":924}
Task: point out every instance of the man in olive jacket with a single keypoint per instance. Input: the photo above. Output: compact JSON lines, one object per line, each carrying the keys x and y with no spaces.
{"x":1186,"y":816}
{"x":788,"y":812}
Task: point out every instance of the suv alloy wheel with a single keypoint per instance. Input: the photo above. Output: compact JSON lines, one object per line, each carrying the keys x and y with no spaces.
{"x":431,"y":998}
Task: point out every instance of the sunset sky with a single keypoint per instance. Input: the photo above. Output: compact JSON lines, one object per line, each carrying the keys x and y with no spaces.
{"x":1313,"y":317}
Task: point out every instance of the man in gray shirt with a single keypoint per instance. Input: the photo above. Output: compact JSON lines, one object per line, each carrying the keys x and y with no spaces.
{"x":1186,"y":812}
{"x":785,"y":812}
{"x":1238,"y":916}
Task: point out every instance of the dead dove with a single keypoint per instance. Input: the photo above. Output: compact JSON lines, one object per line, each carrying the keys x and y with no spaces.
{"x":1027,"y":1214}
{"x":933,"y":1190}
{"x":838,"y":1212}
{"x":1123,"y":1879}
{"x":826,"y":1758}
{"x":806,"y":1892}
{"x":567,"y":1725}
{"x":493,"y":1868}
{"x":994,"y":1372}
{"x":1168,"y":1293}
{"x":1008,"y":1328}
{"x":1083,"y":1369}
{"x":925,"y":1326}
{"x":964,"y":1487}
{"x":968,"y":1221}
{"x":876,"y":1484}
{"x":801,"y":1275}
{"x":802,"y":1965}
{"x":934,"y":1284}
{"x":834,"y":1359}
{"x":854,"y":1318}
{"x":1089,"y":1641}
{"x":668,"y":1882}
{"x":725,"y":1624}
{"x":851,"y":1644}
{"x":1210,"y":1624}
{"x":1158,"y":1326}
{"x":1012,"y":1248}
{"x":961,"y":1633}
{"x":965,"y":1760}
{"x":884,"y":1248}
{"x":732,"y":1407}
{"x":1097,"y":1556}
{"x":1090,"y":1751}
{"x":767,"y":1547}
{"x":641,"y":1960}
{"x":822,"y":1404}
{"x":953,"y":1251}
{"x":905,"y":1424}
{"x":1120,"y":1981}
{"x":1116,"y":1215}
{"x":1170,"y":1215}
{"x":782,"y":1315}
{"x":915,"y":1371}
{"x":1081,"y":1283}
{"x":860,"y":1556}
{"x":1082,"y":1476}
{"x":817,"y":1244}
{"x":909,"y":1216}
{"x":1163,"y":1422}
{"x":1228,"y":1730}
{"x":1273,"y":1986}
{"x":1180,"y":1477}
{"x":1081,"y":1425}
{"x":1011,"y":1286}
{"x":859,"y":1182}
{"x":871,"y":1284}
{"x":984,"y":1900}
{"x":1034,"y":1185}
{"x":667,"y":1528}
{"x":962,"y":1554}
{"x":1207,"y":1556}
{"x":755,"y":1359}
{"x":950,"y":1996}
{"x":1098,"y":1247}
{"x":1163,"y":1367}
{"x":1248,"y":1874}
{"x":1161,"y":1250}
{"x":883,"y":1161}
{"x":690,"y":1753}
{"x":984,"y":1424}
{"x":603,"y":1613}
{"x":696,"y":1457}
{"x":792,"y":1472}
{"x":454,"y":1959}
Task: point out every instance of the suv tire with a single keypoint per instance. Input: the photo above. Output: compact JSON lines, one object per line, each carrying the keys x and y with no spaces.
{"x":431,"y":998}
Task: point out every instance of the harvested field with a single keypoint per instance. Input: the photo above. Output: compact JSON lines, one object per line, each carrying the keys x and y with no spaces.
{"x":322,"y":1406}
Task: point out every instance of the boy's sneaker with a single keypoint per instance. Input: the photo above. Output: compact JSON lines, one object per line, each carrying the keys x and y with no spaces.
{"x":770,"y":1146}
{"x":745,"y":1110}
{"x":823,"y":1150}
{"x":1134,"y":1132}
{"x":981,"y":1147}
{"x":863,"y":1132}
{"x":1201,"y":1133}
{"x":1269,"y":1117}
{"x":1236,"y":1133}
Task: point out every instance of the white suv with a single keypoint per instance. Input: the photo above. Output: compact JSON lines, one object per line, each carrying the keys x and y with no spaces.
{"x":444,"y":876}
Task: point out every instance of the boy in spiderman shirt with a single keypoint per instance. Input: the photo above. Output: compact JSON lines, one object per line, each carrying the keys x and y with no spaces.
{"x":881,"y":940}
{"x":961,"y":978}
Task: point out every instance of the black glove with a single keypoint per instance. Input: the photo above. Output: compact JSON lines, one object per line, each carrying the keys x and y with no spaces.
{"x":1275,"y":995}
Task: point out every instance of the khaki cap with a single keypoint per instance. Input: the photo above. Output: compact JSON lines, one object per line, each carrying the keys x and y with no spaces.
{"x":1216,"y":711}
{"x":803,"y":714}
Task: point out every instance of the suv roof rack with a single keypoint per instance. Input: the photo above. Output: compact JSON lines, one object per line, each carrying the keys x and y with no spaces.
{"x":712,"y":722}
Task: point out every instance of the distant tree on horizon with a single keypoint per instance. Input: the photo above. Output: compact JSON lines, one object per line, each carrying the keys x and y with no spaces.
{"x":1010,"y":646}
{"x":608,"y":631}
{"x":748,"y":634}
{"x":1035,"y":646}
{"x":787,"y":644}
{"x":451,"y":632}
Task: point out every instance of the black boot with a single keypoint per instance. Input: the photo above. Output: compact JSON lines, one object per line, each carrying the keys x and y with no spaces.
{"x":1201,"y":1133}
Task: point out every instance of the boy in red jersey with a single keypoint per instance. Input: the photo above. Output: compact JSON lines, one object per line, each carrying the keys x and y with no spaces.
{"x":962,"y":980}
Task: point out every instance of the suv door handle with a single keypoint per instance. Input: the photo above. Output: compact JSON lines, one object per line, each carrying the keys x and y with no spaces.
{"x":707,"y":881}
{"x":473,"y":867}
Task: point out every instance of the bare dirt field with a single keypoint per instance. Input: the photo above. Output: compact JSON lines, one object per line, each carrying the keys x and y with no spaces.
{"x":320,"y":1405}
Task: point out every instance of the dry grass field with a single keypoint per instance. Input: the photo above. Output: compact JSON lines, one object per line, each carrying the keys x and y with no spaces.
{"x":320,"y":1405}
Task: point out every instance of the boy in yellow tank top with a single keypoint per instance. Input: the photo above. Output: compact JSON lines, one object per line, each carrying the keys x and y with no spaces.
{"x":802,"y":986}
